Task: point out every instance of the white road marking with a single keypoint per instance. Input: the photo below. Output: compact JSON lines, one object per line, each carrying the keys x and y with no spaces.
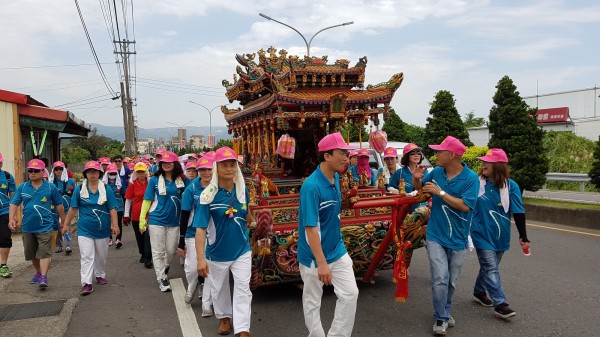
{"x":187,"y":318}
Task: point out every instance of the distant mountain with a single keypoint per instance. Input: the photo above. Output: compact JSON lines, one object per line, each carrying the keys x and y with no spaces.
{"x":116,"y":132}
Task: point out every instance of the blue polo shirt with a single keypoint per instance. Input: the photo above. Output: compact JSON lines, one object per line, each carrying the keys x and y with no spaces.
{"x":112,"y":187}
{"x":228,"y":238}
{"x":165,"y":209}
{"x":320,"y":206}
{"x":6,"y":187}
{"x":37,"y":206}
{"x":354,"y":170}
{"x":490,"y":228}
{"x":94,"y":219}
{"x":189,"y":202}
{"x":447,"y":225}
{"x":66,"y":191}
{"x":404,"y":173}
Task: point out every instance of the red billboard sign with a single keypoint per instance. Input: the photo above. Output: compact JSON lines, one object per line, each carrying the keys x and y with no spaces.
{"x":552,"y":115}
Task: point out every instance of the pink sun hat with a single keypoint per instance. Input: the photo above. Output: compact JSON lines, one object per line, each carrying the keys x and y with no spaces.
{"x":36,"y":164}
{"x":190,"y":165}
{"x":104,"y":160}
{"x":352,"y":153}
{"x":390,"y":152}
{"x":205,"y":163}
{"x":58,"y":164}
{"x":169,"y":157}
{"x":363,"y":153}
{"x":450,"y":144}
{"x":333,"y":141}
{"x":112,"y":168}
{"x":92,"y":165}
{"x":494,"y":155}
{"x":410,"y":147}
{"x":225,"y":153}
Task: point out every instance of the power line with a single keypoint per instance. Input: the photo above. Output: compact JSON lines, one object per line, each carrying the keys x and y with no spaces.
{"x":87,"y":34}
{"x":54,"y":66}
{"x":183,"y":84}
{"x":184,"y":92}
{"x":181,"y":87}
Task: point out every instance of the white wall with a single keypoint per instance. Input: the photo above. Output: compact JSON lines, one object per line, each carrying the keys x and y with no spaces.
{"x":7,"y":137}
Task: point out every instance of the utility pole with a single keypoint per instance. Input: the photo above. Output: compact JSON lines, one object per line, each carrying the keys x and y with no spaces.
{"x":126,"y":101}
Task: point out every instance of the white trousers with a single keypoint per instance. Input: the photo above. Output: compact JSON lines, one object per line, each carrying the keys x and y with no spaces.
{"x":346,"y":290}
{"x":94,"y":253}
{"x":163,"y":241}
{"x":241,"y":269}
{"x":191,"y":270}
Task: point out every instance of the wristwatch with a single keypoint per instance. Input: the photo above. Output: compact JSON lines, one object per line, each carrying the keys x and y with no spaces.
{"x":442,"y":193}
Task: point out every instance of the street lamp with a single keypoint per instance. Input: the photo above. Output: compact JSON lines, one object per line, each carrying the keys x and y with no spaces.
{"x":209,"y":116}
{"x":180,"y":127}
{"x":294,"y":29}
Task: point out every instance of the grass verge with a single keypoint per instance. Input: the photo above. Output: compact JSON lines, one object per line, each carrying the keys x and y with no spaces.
{"x":554,"y":203}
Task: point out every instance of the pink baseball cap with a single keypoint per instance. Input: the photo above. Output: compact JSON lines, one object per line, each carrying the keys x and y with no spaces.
{"x":104,"y":160}
{"x":206,"y":163}
{"x":36,"y":164}
{"x":333,"y":141}
{"x":190,"y":165}
{"x":193,"y":155}
{"x":410,"y":147}
{"x":131,"y":166}
{"x":112,"y":168}
{"x":92,"y":165}
{"x":160,"y":152}
{"x":58,"y":164}
{"x":363,"y":153}
{"x":494,"y":155}
{"x":225,"y":153}
{"x":450,"y":144}
{"x":1,"y":158}
{"x":211,"y":155}
{"x":169,"y":157}
{"x":353,"y":153}
{"x":390,"y":152}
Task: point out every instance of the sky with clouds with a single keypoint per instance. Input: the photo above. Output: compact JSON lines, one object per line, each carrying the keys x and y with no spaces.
{"x":185,"y":48}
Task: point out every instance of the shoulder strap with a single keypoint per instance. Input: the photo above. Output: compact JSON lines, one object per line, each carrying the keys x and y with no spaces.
{"x":7,"y":176}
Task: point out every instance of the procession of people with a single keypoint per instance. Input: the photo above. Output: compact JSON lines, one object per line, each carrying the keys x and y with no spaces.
{"x":199,"y":209}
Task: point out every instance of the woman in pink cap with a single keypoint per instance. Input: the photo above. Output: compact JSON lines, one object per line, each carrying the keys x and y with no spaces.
{"x":411,"y":159}
{"x":187,"y":236}
{"x":190,"y":171}
{"x":97,"y":210}
{"x":164,"y":194}
{"x":499,"y":197}
{"x":113,"y":182}
{"x":222,"y":215}
{"x":66,"y":186}
{"x":353,"y":166}
{"x":390,"y":157}
{"x":365,"y":169}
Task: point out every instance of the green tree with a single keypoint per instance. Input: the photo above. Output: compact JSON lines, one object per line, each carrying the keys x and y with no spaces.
{"x":394,"y":126}
{"x":444,"y":121}
{"x":567,"y":152}
{"x":75,"y":155}
{"x":223,"y":142}
{"x":595,"y":170}
{"x":414,"y":134}
{"x":514,"y":129}
{"x":471,"y":121}
{"x":354,"y":130}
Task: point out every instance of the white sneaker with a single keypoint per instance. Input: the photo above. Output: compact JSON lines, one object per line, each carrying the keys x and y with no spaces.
{"x":207,"y":310}
{"x":191,"y":289}
{"x":440,"y":327}
{"x":451,"y":322}
{"x":164,"y":285}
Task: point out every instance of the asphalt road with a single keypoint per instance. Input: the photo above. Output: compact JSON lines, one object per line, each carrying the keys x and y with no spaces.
{"x":555,"y":292}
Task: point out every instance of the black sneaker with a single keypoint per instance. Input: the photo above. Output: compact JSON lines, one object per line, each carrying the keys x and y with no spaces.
{"x":483,"y":299}
{"x":164,"y":285}
{"x":504,"y":311}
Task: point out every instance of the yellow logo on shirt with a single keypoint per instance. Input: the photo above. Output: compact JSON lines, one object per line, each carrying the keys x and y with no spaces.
{"x":244,"y":207}
{"x":3,"y":186}
{"x":51,"y":206}
{"x":44,"y":199}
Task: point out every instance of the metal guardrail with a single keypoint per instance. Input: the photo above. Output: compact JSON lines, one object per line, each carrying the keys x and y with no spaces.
{"x":581,"y":178}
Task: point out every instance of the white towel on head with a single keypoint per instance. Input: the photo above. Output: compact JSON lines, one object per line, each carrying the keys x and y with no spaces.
{"x":504,"y":197}
{"x":162,"y":187}
{"x":118,"y":181}
{"x":122,"y":171}
{"x":209,"y":193}
{"x":84,"y":193}
{"x":64,"y":177}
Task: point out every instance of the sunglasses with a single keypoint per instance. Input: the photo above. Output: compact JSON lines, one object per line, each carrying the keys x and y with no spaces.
{"x":117,"y":161}
{"x":34,"y":170}
{"x":58,"y":169}
{"x":415,"y":153}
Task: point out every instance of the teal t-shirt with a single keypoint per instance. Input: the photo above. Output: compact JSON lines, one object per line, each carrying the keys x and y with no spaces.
{"x":189,"y":202}
{"x":37,"y":206}
{"x":449,"y":226}
{"x":165,"y":209}
{"x":94,"y":219}
{"x":490,"y":228}
{"x":7,"y":186}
